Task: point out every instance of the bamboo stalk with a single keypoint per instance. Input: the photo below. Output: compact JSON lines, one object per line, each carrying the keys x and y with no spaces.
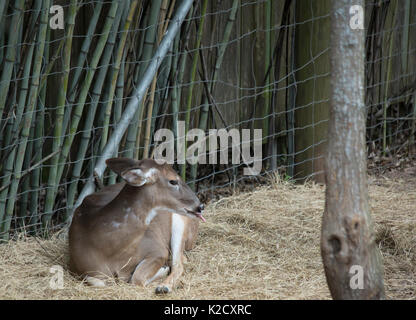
{"x":25,"y":183}
{"x":148,"y":46}
{"x":84,"y":50}
{"x":139,"y":113}
{"x":165,"y":68}
{"x":32,"y":168}
{"x":8,"y":165}
{"x":193,"y":74}
{"x":116,"y":69}
{"x":178,"y":73}
{"x":10,"y":53}
{"x":27,"y":119}
{"x":3,"y":5}
{"x":76,"y":116}
{"x":139,"y":128}
{"x":135,"y":100}
{"x":149,"y":119}
{"x":141,"y":24}
{"x":3,"y":8}
{"x":151,"y":105}
{"x":175,"y":103}
{"x":89,"y":120}
{"x":35,"y":142}
{"x":60,"y":110}
{"x":38,"y":145}
{"x":118,"y":107}
{"x":82,"y":57}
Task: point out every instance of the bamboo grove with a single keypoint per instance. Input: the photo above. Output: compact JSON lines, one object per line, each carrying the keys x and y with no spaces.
{"x":62,"y":92}
{"x":89,"y":92}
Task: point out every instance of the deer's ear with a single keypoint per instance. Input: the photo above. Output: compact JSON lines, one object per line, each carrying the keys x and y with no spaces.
{"x":119,"y":165}
{"x":139,"y":177}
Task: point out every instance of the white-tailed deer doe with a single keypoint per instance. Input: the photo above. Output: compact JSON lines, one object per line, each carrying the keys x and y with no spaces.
{"x":130,"y":229}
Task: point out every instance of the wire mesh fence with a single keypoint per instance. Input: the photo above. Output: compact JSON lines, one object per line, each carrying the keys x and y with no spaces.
{"x":70,"y":68}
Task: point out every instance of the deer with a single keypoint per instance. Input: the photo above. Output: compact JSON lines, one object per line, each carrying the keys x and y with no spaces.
{"x":135,"y":230}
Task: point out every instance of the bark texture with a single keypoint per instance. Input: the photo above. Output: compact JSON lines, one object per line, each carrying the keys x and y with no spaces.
{"x":347,"y":233}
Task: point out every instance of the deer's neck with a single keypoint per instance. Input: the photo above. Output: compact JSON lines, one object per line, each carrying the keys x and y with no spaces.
{"x":140,"y":202}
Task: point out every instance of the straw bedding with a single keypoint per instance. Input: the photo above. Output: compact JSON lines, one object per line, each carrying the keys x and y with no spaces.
{"x":262,"y":244}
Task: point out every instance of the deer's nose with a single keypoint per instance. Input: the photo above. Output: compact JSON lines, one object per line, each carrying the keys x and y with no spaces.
{"x":201,"y":208}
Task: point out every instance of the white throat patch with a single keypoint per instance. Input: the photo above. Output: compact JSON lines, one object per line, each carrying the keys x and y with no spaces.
{"x":153,"y":213}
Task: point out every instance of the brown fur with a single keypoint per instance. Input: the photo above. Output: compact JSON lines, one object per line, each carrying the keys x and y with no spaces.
{"x":109,"y":237}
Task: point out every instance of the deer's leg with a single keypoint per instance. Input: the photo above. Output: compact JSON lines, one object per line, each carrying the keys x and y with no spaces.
{"x":177,"y":245}
{"x":94,"y":282}
{"x":98,"y":278}
{"x":149,"y":270}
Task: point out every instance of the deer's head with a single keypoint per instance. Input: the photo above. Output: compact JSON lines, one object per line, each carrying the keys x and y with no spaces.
{"x":161,"y":183}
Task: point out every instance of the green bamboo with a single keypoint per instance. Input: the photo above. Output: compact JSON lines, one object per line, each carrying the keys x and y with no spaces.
{"x":149,"y":118}
{"x":178,"y":71}
{"x":38,"y":144}
{"x":76,"y":116}
{"x":2,"y":31}
{"x":115,"y":71}
{"x":27,"y":119}
{"x":151,"y":101}
{"x":165,"y":68}
{"x":85,"y":48}
{"x":3,"y":8}
{"x":118,"y":108}
{"x":9,"y":145}
{"x":175,"y":103}
{"x":82,"y":57}
{"x":142,"y":23}
{"x":152,"y":105}
{"x":193,"y":75}
{"x":10,"y":53}
{"x":181,"y":69}
{"x":25,"y":183}
{"x":51,"y":63}
{"x":139,"y":127}
{"x":60,"y":110}
{"x":148,"y":46}
{"x":89,"y":120}
{"x":8,"y":165}
{"x":8,"y":138}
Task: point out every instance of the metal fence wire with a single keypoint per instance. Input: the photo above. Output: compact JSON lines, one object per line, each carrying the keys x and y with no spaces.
{"x":70,"y":68}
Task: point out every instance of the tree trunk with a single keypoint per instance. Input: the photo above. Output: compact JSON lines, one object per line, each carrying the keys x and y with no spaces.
{"x":352,"y":262}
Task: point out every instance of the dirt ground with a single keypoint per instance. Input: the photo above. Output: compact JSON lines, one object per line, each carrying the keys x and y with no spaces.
{"x":262,"y":244}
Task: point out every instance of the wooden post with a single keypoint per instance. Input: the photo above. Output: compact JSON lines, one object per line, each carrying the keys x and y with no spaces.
{"x":352,"y":262}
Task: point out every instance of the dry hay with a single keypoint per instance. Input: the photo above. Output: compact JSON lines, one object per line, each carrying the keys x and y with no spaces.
{"x":258,"y":245}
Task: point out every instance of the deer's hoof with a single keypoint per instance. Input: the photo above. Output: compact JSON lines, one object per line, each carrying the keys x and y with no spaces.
{"x":162,"y":289}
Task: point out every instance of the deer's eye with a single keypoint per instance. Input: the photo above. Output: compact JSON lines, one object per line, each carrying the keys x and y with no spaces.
{"x":173,"y":182}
